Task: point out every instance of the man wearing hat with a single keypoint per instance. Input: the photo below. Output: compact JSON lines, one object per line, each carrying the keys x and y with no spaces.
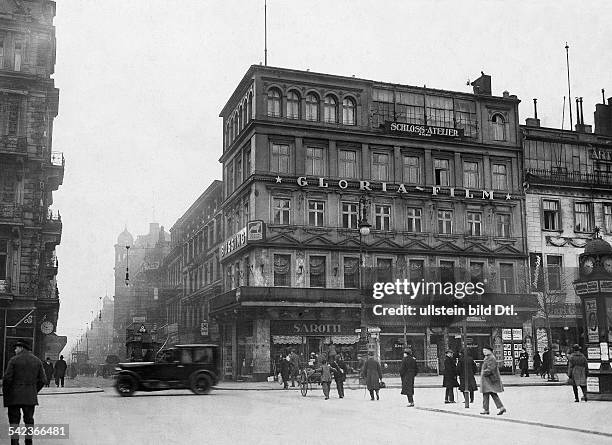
{"x":490,"y":382}
{"x":23,"y":378}
{"x":408,"y":370}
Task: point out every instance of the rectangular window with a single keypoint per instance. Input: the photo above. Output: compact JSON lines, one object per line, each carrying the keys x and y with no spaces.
{"x":351,"y":272}
{"x":247,"y":164}
{"x":474,"y":222}
{"x":500,"y":177}
{"x":317,"y":271}
{"x":465,"y":117}
{"x":3,"y":259}
{"x":382,"y":217}
{"x":410,"y":108}
{"x":470,"y":175}
{"x":583,"y":217}
{"x":384,"y":270}
{"x":412,"y":170}
{"x":350,"y":215}
{"x":553,"y":267}
{"x":417,"y":270}
{"x":238,"y":173}
{"x":282,"y":210}
{"x":607,"y":213}
{"x":2,"y":37}
{"x":279,"y":161}
{"x":506,"y":278}
{"x":13,"y":116}
{"x":282,"y":270}
{"x":503,"y":225}
{"x":447,"y":272}
{"x":439,"y":111}
{"x":18,"y":54}
{"x":476,"y":272}
{"x":382,"y":107}
{"x":551,"y":215}
{"x":348,"y":164}
{"x":414,"y":219}
{"x":445,"y":221}
{"x":380,"y":166}
{"x":315,"y":164}
{"x":316,"y":213}
{"x":442,"y":172}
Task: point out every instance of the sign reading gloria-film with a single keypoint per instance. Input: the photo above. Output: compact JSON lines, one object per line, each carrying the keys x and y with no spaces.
{"x":423,"y":130}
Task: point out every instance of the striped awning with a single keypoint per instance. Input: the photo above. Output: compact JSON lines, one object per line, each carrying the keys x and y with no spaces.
{"x":287,"y":339}
{"x":345,"y":339}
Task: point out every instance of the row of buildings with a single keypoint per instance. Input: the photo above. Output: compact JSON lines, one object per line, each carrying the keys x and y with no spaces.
{"x":272,"y":258}
{"x":30,"y":171}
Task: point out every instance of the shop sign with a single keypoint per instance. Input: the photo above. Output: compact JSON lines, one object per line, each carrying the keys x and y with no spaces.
{"x":605,"y":353}
{"x":507,"y":334}
{"x":517,"y":334}
{"x":423,"y":130}
{"x":255,"y":230}
{"x":590,"y":287}
{"x":606,"y":286}
{"x":593,"y":353}
{"x":311,"y":328}
{"x":601,"y":155}
{"x":590,"y":308}
{"x":204,"y":328}
{"x":233,"y":243}
{"x":593,"y":384}
{"x":139,"y":319}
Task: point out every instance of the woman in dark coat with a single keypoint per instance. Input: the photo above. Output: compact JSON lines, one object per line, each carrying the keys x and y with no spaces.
{"x":372,"y":372}
{"x":285,"y":371}
{"x":537,"y":362}
{"x":450,"y":377}
{"x":577,"y":372}
{"x":472,"y":369}
{"x":408,"y":370}
{"x":546,"y":363}
{"x":524,"y":363}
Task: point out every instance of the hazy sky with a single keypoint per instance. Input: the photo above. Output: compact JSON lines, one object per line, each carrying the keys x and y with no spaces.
{"x":142,"y":83}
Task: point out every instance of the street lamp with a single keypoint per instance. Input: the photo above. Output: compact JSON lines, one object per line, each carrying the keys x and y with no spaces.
{"x":127,"y":266}
{"x":364,"y":230}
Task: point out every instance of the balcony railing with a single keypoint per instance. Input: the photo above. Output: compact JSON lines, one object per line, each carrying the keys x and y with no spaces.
{"x":562,"y":176}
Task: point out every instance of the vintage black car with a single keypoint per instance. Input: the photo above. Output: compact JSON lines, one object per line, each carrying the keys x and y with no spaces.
{"x":196,"y":367}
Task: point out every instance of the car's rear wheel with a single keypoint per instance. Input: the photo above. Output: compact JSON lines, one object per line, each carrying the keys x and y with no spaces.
{"x":125,"y":385}
{"x":201,"y":384}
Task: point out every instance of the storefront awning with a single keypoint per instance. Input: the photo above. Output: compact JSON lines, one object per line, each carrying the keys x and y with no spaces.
{"x":345,"y":339}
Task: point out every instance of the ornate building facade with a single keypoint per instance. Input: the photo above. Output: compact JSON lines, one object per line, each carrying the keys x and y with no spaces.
{"x":30,"y":171}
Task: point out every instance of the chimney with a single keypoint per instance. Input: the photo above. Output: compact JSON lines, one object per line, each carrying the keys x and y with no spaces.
{"x":533,"y":121}
{"x":580,"y":126}
{"x":603,"y":117}
{"x":482,"y":85}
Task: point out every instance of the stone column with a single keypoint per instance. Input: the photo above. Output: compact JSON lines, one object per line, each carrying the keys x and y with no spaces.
{"x":261,"y":353}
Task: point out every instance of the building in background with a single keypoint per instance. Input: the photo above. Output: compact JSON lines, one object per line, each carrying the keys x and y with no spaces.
{"x":568,"y":180}
{"x":30,"y":171}
{"x":97,"y":341}
{"x":306,"y":156}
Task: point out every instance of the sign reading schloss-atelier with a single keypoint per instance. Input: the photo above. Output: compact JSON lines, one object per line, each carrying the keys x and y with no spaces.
{"x":423,"y":130}
{"x":369,"y":186}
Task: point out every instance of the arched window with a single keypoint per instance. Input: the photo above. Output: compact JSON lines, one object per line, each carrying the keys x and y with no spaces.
{"x":231,"y":129}
{"x":348,"y":111}
{"x":330,"y":109}
{"x":293,"y":105}
{"x":499,"y":127}
{"x":240,"y":121}
{"x":312,"y":107}
{"x":245,"y":118}
{"x":235,"y":124}
{"x":274,"y":103}
{"x":250,"y":107}
{"x":227,"y":134}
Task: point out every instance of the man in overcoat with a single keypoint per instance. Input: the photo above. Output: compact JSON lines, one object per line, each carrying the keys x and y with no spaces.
{"x":408,"y":370}
{"x":59,"y":370}
{"x":490,"y":382}
{"x":577,"y":370}
{"x":450,"y":377}
{"x":524,"y":363}
{"x":294,"y":361}
{"x":372,"y":372}
{"x":339,"y":369}
{"x":48,"y":366}
{"x":23,"y":378}
{"x":472,"y":369}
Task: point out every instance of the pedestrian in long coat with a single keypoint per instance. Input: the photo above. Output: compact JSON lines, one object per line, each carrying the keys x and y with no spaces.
{"x":450,"y":377}
{"x":577,"y":371}
{"x":372,"y":372}
{"x":472,"y":369}
{"x":339,"y":370}
{"x":48,"y":367}
{"x":326,"y":377}
{"x":408,"y":370}
{"x":59,"y":370}
{"x":294,"y":361}
{"x":524,"y":363}
{"x":490,"y":382}
{"x":23,"y":379}
{"x":537,"y":362}
{"x":285,"y":371}
{"x":546,"y":362}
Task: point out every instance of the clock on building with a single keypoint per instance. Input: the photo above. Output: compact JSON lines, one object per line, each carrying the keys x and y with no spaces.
{"x":46,"y":327}
{"x":607,"y":264}
{"x":587,"y":265}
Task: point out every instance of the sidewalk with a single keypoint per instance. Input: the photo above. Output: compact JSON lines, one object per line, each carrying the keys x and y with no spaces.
{"x":352,"y":382}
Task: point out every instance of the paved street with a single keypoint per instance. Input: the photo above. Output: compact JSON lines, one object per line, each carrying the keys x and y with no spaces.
{"x":276,"y":416}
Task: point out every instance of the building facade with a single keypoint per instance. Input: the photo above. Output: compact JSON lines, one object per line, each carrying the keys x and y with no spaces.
{"x":307,"y":156}
{"x":568,"y":176}
{"x":29,"y":174}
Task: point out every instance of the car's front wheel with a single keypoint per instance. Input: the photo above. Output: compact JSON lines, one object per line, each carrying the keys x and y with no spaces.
{"x":201,"y":384}
{"x":125,"y":385}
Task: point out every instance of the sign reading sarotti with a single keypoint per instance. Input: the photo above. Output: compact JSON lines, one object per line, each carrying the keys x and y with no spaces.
{"x":233,"y":243}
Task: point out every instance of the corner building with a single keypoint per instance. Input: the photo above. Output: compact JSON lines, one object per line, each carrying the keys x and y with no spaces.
{"x":438,"y":175}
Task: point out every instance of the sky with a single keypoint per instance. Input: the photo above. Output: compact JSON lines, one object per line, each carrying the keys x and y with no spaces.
{"x":142,"y":83}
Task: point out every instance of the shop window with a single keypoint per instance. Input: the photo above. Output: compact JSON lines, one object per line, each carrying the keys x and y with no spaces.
{"x":552,"y":215}
{"x":316,"y":213}
{"x":312,"y":107}
{"x":351,"y":272}
{"x":474,"y":222}
{"x":350,"y":215}
{"x":317,"y":271}
{"x":442,"y":172}
{"x":282,"y":270}
{"x":583,"y":217}
{"x":414,"y":221}
{"x":382,"y":217}
{"x":347,"y":164}
{"x":554,"y":265}
{"x":506,"y":278}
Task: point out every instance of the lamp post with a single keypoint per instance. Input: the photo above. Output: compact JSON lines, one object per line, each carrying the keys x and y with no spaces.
{"x":364,"y":230}
{"x":127,"y":266}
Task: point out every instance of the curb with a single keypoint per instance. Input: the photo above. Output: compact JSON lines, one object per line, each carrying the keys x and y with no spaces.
{"x":523,"y":422}
{"x":75,"y":391}
{"x":510,"y":385}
